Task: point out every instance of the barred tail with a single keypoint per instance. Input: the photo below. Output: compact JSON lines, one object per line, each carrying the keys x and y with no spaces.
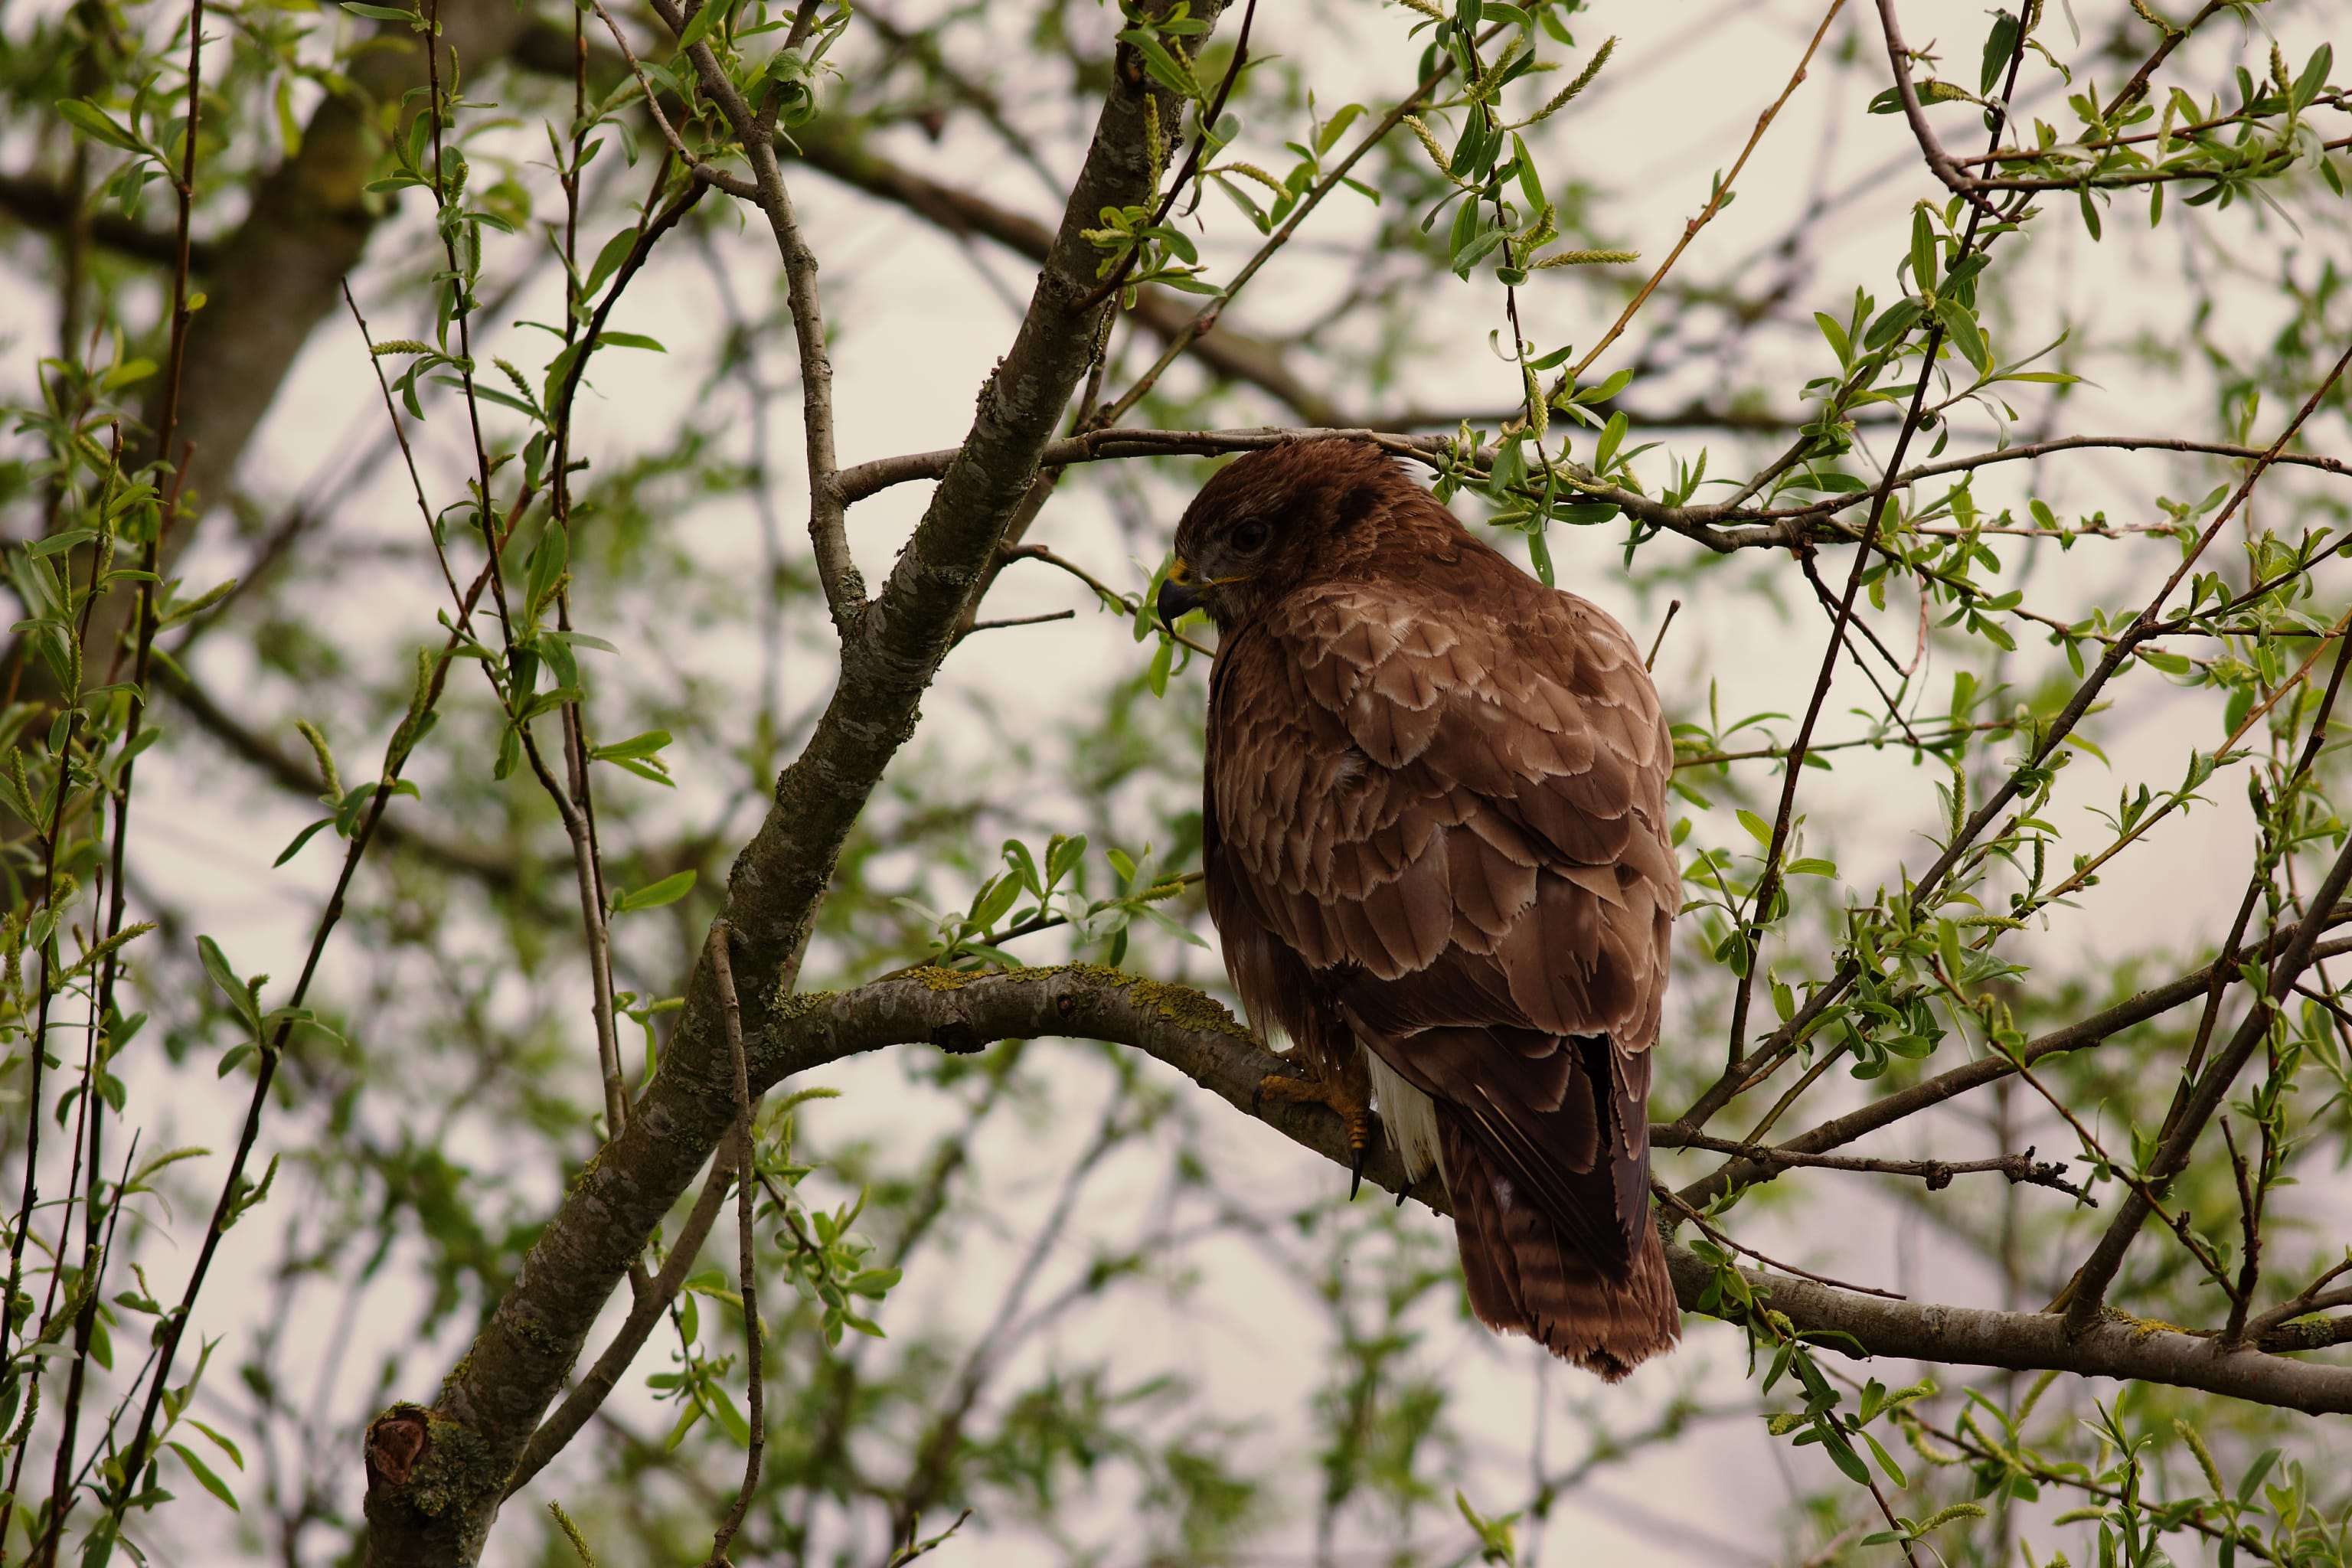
{"x":1525,"y":1278}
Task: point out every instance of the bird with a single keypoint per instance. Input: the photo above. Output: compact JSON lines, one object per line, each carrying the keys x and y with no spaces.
{"x":1439,"y":862}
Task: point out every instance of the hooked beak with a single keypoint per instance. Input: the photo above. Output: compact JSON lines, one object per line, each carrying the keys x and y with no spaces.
{"x":1177,"y":594}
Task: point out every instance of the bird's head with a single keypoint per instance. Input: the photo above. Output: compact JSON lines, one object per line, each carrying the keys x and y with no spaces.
{"x":1272,"y":520}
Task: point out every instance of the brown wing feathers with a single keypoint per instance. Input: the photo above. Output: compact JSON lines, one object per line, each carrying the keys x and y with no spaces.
{"x":1437,"y":824}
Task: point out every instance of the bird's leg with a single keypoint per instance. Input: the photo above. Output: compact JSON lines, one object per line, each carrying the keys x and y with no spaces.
{"x":1345,"y":1092}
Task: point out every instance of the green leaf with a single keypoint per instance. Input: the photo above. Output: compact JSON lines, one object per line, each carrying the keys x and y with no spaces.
{"x":2314,"y":77}
{"x":300,"y":839}
{"x":686,"y":1420}
{"x":1178,"y":242}
{"x":2000,"y":44}
{"x":239,"y":994}
{"x":94,"y":122}
{"x":1839,"y":344}
{"x":204,"y":1473}
{"x":634,"y":747}
{"x":1025,"y":866}
{"x":1842,"y":1454}
{"x":122,"y":375}
{"x":1929,"y":93}
{"x":223,"y":1444}
{"x":380,"y":12}
{"x":1062,"y":857}
{"x":668,"y":890}
{"x":997,"y":896}
{"x":1961,"y":326}
{"x":609,"y":339}
{"x":1165,"y":67}
{"x":1886,"y":1462}
{"x":1611,"y":436}
{"x":1758,"y":828}
{"x":721,"y":1405}
{"x":704,"y":19}
{"x":65,"y":539}
{"x":1618,"y":381}
{"x":608,"y":260}
{"x":1923,"y":250}
{"x":1336,"y":126}
{"x":1899,"y":318}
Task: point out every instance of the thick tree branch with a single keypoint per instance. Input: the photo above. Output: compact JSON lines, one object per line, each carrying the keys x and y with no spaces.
{"x":1192,"y":1033}
{"x":644,"y":1315}
{"x":437,"y":1476}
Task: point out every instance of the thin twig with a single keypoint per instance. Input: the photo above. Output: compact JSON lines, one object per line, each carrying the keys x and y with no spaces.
{"x":1207,"y":318}
{"x":1658,"y":642}
{"x":644,"y":1315}
{"x":1936,"y":1173}
{"x":1668,"y":1196}
{"x":2081,"y":1035}
{"x":2171,"y":1155}
{"x":1203,"y":124}
{"x":2306,"y":1301}
{"x":845,"y":589}
{"x":1927,"y":742}
{"x":99,"y":556}
{"x":1111,"y":596}
{"x":1016,"y":621}
{"x":1715,"y":202}
{"x":2048,"y":739}
{"x":1723,"y":527}
{"x":174,"y":1328}
{"x":747,"y":1188}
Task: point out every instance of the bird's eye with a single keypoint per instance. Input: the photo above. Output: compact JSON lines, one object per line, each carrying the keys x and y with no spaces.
{"x":1252,"y":535}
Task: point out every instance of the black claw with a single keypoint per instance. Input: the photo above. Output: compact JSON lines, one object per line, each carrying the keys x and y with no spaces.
{"x":1356,"y":1183}
{"x":1405,"y":1192}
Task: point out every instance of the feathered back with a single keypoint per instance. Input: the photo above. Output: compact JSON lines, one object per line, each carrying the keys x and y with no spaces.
{"x":1437,"y":824}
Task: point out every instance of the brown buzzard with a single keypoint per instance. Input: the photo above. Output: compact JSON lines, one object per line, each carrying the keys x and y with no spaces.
{"x":1438,"y":856}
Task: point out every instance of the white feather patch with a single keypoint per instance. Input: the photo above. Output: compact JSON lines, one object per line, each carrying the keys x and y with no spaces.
{"x":1409,"y":1116}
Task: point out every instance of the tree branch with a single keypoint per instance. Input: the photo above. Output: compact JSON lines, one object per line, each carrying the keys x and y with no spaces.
{"x":1190,"y":1032}
{"x":1887,"y":1110}
{"x":1899,"y":55}
{"x":499,"y":873}
{"x":38,"y":204}
{"x":645,"y":1316}
{"x":1936,"y":1173}
{"x":2172,"y":1155}
{"x":1723,"y":529}
{"x":844,"y":590}
{"x":437,"y":1476}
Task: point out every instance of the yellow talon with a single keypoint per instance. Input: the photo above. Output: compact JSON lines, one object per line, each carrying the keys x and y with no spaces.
{"x":1354,"y":1114}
